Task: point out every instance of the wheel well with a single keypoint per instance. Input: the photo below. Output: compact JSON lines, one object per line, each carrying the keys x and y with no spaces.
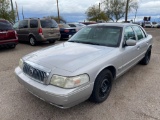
{"x":31,"y":36}
{"x":112,"y":69}
{"x":150,"y":47}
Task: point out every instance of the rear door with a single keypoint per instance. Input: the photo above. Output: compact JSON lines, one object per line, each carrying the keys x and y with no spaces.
{"x":142,"y":42}
{"x":23,"y":30}
{"x":50,"y":28}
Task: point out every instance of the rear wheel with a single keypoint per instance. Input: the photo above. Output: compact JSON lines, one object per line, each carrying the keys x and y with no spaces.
{"x":12,"y":46}
{"x":52,"y":41}
{"x":32,"y":41}
{"x":146,"y":58}
{"x":102,"y":86}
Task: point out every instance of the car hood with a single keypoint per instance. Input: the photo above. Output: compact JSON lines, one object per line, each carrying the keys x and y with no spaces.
{"x":67,"y":56}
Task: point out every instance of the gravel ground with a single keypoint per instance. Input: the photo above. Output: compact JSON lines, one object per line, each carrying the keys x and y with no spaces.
{"x":134,"y":96}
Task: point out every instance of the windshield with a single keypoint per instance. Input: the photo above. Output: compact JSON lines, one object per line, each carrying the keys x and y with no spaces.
{"x":49,"y":24}
{"x":99,"y":35}
{"x":4,"y":25}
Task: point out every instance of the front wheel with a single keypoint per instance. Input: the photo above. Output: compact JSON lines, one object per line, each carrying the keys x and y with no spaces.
{"x":102,"y":86}
{"x":146,"y":58}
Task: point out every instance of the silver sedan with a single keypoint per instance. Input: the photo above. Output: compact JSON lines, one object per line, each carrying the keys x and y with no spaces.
{"x":85,"y":66}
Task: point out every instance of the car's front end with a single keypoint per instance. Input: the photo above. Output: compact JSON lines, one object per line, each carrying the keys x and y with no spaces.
{"x":49,"y":88}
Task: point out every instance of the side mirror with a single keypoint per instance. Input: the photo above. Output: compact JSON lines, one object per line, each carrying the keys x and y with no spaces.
{"x":130,"y":42}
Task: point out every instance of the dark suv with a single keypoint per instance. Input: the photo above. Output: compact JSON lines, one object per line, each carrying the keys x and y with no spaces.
{"x":37,"y":30}
{"x":8,"y":36}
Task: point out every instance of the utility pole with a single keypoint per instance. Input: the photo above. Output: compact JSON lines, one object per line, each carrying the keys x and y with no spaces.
{"x":127,"y":6}
{"x":22,"y":13}
{"x":12,"y":8}
{"x":17,"y":10}
{"x":58,"y":12}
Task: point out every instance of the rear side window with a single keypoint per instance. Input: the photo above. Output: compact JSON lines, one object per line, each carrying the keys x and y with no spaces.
{"x":23,"y":24}
{"x":33,"y":24}
{"x":4,"y":25}
{"x":139,"y":32}
{"x":48,"y":24}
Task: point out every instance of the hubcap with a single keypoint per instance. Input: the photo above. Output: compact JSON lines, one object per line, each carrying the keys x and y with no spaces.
{"x":105,"y":87}
{"x":32,"y":41}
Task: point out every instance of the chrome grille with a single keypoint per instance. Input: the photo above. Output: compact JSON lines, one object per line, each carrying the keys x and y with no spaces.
{"x":34,"y":73}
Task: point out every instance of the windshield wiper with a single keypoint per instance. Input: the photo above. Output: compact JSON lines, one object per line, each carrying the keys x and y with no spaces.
{"x":85,"y":42}
{"x":91,"y":43}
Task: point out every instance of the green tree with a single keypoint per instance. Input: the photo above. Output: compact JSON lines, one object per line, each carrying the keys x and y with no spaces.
{"x":94,"y":14}
{"x":6,"y":12}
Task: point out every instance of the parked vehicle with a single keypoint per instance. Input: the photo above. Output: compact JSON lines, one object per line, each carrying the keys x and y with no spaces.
{"x":138,"y":23}
{"x":76,"y":26}
{"x":37,"y":30}
{"x":8,"y":36}
{"x":148,"y":24}
{"x":66,"y":31}
{"x":88,"y":23}
{"x":86,"y":65}
{"x":154,"y":24}
{"x":158,"y":25}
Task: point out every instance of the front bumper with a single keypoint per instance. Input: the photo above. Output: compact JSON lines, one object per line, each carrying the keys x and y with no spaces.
{"x":62,"y":98}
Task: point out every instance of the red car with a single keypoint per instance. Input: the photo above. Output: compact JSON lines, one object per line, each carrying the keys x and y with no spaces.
{"x":8,"y":36}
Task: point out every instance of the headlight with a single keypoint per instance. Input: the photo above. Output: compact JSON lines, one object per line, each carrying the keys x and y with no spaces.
{"x":21,"y":63}
{"x":69,"y":82}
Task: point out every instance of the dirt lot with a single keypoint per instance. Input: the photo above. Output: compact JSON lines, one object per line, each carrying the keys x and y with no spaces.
{"x":135,"y":95}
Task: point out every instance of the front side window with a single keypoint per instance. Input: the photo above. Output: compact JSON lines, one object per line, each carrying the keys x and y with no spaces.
{"x":140,"y":34}
{"x":33,"y":24}
{"x":23,"y":24}
{"x":129,"y":34}
{"x":99,"y":35}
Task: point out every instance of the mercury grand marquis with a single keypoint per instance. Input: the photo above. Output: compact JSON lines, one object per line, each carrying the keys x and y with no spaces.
{"x":85,"y":66}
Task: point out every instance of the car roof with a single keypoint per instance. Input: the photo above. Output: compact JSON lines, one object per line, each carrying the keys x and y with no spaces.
{"x":113,"y":24}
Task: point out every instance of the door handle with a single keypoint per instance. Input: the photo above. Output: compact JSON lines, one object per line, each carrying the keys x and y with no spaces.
{"x":138,"y":47}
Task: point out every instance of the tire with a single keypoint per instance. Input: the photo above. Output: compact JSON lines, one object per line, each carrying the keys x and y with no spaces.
{"x":52,"y":41}
{"x":146,"y":58}
{"x":12,"y":46}
{"x":102,"y":86}
{"x":32,"y":41}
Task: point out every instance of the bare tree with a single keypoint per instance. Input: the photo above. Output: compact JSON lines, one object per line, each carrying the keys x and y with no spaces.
{"x":59,"y":19}
{"x":130,"y":5}
{"x":115,"y":9}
